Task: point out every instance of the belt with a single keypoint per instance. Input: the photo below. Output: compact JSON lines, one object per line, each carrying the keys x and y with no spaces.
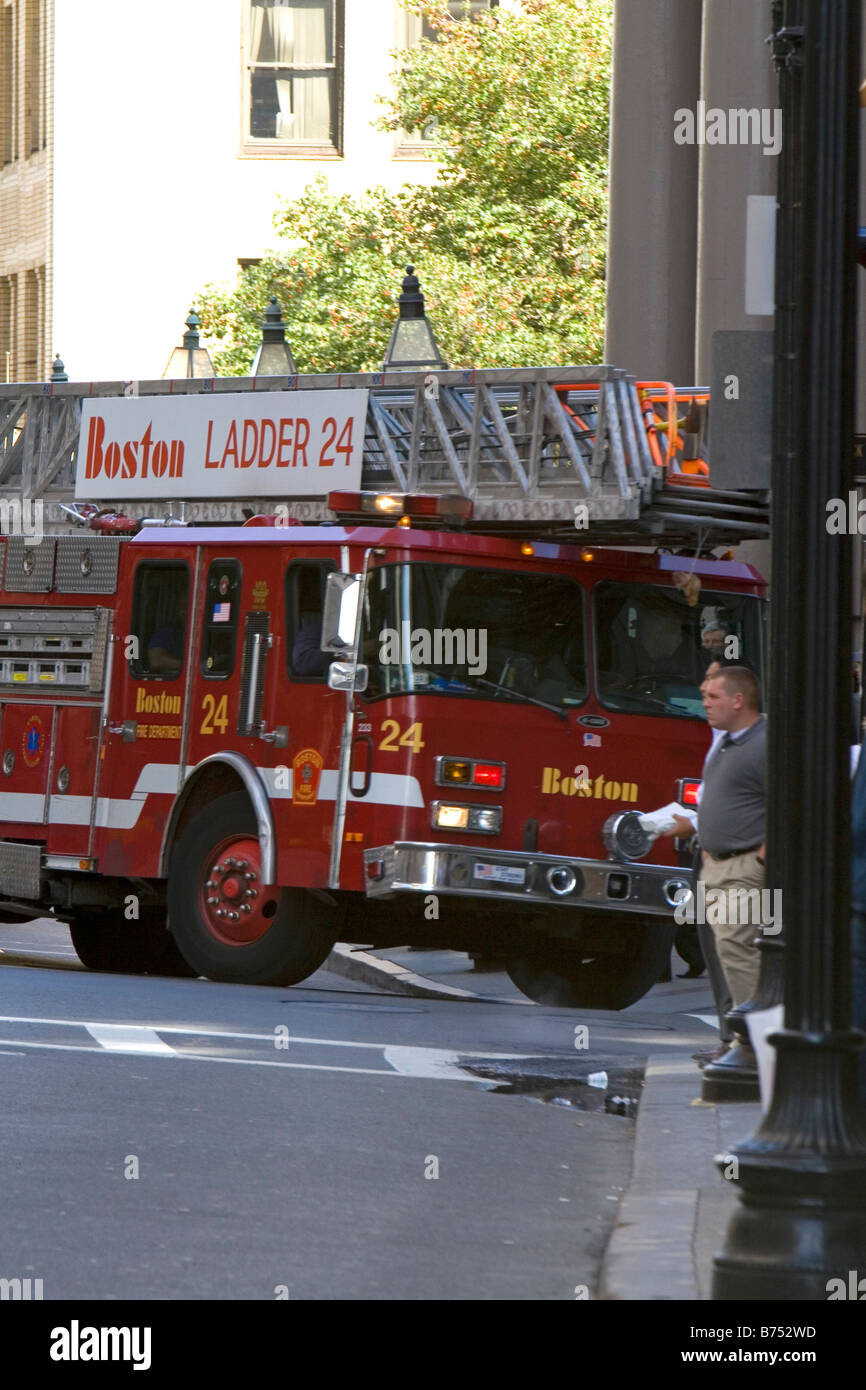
{"x":732,"y":853}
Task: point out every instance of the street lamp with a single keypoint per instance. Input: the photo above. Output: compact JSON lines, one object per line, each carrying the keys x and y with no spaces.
{"x":412,"y":342}
{"x":801,"y":1220}
{"x":274,"y":357}
{"x":190,"y":360}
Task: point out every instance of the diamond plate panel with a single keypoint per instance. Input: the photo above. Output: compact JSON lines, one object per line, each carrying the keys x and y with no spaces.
{"x":100,"y":648}
{"x":86,"y":564}
{"x":29,"y":568}
{"x":19,"y":869}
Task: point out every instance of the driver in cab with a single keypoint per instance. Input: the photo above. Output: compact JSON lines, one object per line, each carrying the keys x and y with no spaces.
{"x":659,"y":648}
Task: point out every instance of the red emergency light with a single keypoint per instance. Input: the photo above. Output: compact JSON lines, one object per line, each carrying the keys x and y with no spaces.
{"x":689,"y":788}
{"x":396,"y":505}
{"x":489,"y":775}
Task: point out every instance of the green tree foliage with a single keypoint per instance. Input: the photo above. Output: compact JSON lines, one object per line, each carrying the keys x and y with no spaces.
{"x":508,"y":241}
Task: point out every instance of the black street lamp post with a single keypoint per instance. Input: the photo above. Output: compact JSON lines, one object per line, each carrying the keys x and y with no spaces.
{"x":190,"y":360}
{"x":274,"y":357}
{"x":802,"y":1176}
{"x":413,"y":343}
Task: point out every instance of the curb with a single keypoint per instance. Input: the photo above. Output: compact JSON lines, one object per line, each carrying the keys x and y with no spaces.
{"x":655,"y":1249}
{"x":37,"y":962}
{"x":385,"y":975}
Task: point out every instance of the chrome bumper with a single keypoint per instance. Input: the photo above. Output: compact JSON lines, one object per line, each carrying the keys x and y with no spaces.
{"x":523,"y":877}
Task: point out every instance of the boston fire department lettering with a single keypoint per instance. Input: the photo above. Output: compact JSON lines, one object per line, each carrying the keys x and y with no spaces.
{"x":553,"y":782}
{"x":156,"y":704}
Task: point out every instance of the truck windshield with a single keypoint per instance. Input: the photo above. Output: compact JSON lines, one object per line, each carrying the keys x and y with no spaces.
{"x":475,"y":633}
{"x":653,"y":648}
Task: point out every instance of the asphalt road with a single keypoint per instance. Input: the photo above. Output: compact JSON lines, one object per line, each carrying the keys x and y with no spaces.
{"x":165,"y":1139}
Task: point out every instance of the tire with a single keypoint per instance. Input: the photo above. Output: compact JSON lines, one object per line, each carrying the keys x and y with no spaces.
{"x":215,"y":871}
{"x":142,"y":947}
{"x":568,"y":978}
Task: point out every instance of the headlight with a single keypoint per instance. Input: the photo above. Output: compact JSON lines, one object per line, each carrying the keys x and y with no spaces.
{"x":625,"y":837}
{"x":480,"y":820}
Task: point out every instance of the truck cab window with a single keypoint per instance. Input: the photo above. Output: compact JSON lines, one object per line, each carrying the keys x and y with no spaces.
{"x":653,"y":648}
{"x":160,"y":608}
{"x":220,"y":619}
{"x":305,"y":601}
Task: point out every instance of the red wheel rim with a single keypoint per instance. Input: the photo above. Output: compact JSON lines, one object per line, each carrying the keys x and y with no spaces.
{"x":232,"y":902}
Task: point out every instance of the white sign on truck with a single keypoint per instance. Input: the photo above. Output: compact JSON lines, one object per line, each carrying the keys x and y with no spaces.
{"x":277,"y":444}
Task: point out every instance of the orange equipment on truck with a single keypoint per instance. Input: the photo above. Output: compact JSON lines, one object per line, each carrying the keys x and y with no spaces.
{"x":408,"y":668}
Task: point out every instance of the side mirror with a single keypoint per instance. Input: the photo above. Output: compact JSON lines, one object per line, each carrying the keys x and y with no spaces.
{"x":342,"y":675}
{"x":340,"y":615}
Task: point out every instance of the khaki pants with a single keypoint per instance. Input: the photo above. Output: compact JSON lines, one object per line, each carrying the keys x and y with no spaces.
{"x":735,"y":918}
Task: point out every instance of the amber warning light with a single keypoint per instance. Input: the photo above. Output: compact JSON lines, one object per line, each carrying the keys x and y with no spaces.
{"x":397,"y":506}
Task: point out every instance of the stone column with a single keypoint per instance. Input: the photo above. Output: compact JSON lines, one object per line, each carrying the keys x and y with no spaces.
{"x":737,"y":76}
{"x":653,"y":190}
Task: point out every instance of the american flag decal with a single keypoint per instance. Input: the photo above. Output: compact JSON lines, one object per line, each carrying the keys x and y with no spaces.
{"x":592,"y":740}
{"x":222,"y":612}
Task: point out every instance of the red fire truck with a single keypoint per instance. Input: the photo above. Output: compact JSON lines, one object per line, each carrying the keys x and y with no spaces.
{"x":409,"y":718}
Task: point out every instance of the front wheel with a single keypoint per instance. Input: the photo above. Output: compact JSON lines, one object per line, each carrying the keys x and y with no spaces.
{"x":568,"y":977}
{"x":228,"y":924}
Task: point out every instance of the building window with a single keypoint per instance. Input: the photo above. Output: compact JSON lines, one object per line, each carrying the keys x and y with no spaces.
{"x":294,"y":77}
{"x":22,"y":79}
{"x":34,"y":78}
{"x":7,"y":84}
{"x":7,"y":328}
{"x":414,"y":144}
{"x":30,"y":366}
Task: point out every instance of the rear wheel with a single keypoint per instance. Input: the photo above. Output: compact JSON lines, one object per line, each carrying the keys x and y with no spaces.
{"x":228,"y":924}
{"x":141,"y":947}
{"x":565,"y":976}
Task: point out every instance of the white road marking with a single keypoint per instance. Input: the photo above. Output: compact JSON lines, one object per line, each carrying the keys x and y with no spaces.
{"x":203,"y":1057}
{"x":191,"y":1030}
{"x":115,"y":1037}
{"x":711,"y":1020}
{"x":427,"y":1063}
{"x":430,"y":1062}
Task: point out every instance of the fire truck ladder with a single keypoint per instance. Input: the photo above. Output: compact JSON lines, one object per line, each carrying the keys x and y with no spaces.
{"x":562,"y":451}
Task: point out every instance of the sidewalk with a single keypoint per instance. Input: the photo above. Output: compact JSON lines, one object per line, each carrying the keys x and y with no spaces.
{"x":673,"y":1218}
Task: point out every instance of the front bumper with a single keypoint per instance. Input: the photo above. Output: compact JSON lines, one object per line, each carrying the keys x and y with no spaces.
{"x":478,"y":873}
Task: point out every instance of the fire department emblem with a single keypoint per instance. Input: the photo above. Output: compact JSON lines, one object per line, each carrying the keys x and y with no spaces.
{"x":306,"y":771}
{"x":260,"y":593}
{"x":32,"y":740}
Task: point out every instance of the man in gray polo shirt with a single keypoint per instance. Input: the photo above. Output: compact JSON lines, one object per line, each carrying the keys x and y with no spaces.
{"x":731,"y":821}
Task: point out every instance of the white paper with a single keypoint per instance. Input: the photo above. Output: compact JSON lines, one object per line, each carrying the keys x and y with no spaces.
{"x":661,"y":822}
{"x":761,"y":1023}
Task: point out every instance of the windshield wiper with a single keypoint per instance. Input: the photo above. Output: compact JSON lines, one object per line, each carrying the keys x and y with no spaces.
{"x":659,"y":704}
{"x":517,"y":695}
